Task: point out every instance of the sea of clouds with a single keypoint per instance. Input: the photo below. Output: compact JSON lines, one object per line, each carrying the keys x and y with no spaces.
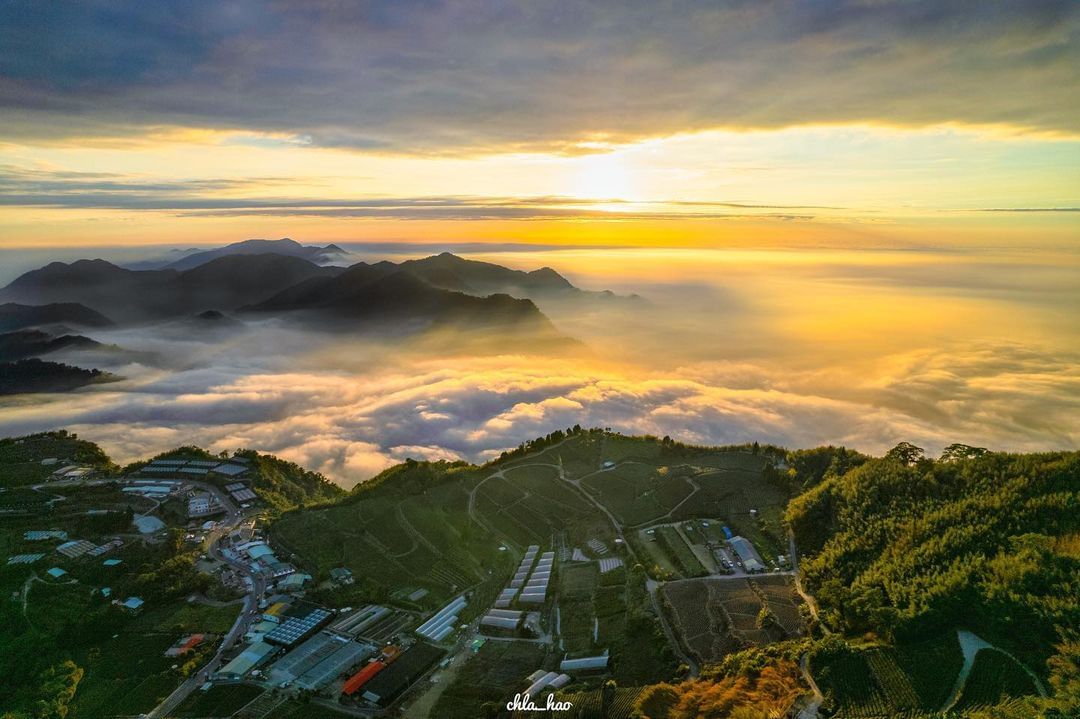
{"x":759,"y":349}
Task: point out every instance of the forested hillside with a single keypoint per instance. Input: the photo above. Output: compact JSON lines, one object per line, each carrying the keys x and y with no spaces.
{"x":905,"y":547}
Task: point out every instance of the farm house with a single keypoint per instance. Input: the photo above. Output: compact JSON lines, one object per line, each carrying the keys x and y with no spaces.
{"x":747,"y":554}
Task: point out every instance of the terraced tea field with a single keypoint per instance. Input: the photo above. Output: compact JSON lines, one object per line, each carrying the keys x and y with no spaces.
{"x":390,"y":541}
{"x":702,"y":628}
{"x":994,"y":678}
{"x":911,"y":680}
{"x":638,"y":493}
{"x":713,"y":617}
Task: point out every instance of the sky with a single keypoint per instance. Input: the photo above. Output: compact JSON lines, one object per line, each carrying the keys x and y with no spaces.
{"x":641,"y":123}
{"x":852,"y":222}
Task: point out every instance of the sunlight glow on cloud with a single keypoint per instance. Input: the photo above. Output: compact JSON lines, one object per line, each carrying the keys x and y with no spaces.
{"x":977,"y":354}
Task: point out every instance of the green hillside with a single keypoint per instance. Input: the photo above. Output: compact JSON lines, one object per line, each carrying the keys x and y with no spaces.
{"x":21,"y":458}
{"x":900,"y":553}
{"x":906,"y":548}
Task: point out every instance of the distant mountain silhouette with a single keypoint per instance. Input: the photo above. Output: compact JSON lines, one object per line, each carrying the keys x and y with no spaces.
{"x":212,"y":316}
{"x":17,"y":316}
{"x":366,"y":294}
{"x":451,"y":272}
{"x":142,"y":295}
{"x":440,"y":290}
{"x":189,"y":259}
{"x":34,"y":375}
{"x":22,"y":344}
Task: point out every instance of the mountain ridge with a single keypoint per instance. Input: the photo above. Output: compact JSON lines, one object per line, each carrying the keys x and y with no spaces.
{"x":194,"y":256}
{"x":15,"y":316}
{"x":439,"y":290}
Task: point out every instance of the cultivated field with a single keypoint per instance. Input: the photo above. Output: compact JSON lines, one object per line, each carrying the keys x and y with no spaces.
{"x":494,"y":674}
{"x":680,"y":554}
{"x":994,"y":678}
{"x":391,"y":541}
{"x":532,"y":504}
{"x":218,"y":701}
{"x":910,"y":680}
{"x":577,"y":616}
{"x":713,"y":617}
{"x":589,"y":704}
{"x":638,"y":493}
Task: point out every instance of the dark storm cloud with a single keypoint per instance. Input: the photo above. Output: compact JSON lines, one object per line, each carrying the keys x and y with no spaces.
{"x":448,"y":76}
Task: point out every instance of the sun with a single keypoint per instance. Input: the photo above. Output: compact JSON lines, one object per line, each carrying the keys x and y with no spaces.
{"x":602,"y":177}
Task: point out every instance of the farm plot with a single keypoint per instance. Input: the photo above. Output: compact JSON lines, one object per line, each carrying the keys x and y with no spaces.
{"x":390,"y":542}
{"x":908,"y":681}
{"x":590,"y":704}
{"x":638,"y":493}
{"x":579,"y":456}
{"x":577,"y":608}
{"x":679,"y":552}
{"x":744,"y":461}
{"x":219,"y":701}
{"x":576,"y":626}
{"x":127,"y":674}
{"x":701,"y":627}
{"x":778,"y":593}
{"x":502,"y":522}
{"x":617,"y":448}
{"x":577,"y":580}
{"x":501,"y":492}
{"x":933,"y":666}
{"x":851,"y":689}
{"x":658,"y":564}
{"x":729,"y":494}
{"x":994,"y":678}
{"x":716,"y":616}
{"x":23,"y":499}
{"x":545,"y":506}
{"x":895,"y":684}
{"x":496,"y":671}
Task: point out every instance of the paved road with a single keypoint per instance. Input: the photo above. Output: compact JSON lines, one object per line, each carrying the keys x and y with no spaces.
{"x":233,"y":518}
{"x":248,"y":614}
{"x":810,"y":709}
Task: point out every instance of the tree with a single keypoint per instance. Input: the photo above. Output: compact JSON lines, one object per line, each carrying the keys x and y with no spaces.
{"x":656,"y":702}
{"x":906,"y":453}
{"x":607,"y":696}
{"x":57,"y":689}
{"x":957,"y":452}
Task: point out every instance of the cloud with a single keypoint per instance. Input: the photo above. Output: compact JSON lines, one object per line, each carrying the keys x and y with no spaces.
{"x":764,"y":350}
{"x":351,"y":426}
{"x":21,"y":187}
{"x":482,"y":76}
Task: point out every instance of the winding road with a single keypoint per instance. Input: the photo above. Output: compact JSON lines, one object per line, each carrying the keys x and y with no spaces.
{"x":233,"y":518}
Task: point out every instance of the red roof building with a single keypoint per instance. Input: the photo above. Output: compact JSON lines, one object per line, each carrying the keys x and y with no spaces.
{"x":353,"y":683}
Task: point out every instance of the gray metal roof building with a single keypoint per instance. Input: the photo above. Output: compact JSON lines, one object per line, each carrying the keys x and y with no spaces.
{"x":248,"y":659}
{"x":749,"y":556}
{"x":584,"y":663}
